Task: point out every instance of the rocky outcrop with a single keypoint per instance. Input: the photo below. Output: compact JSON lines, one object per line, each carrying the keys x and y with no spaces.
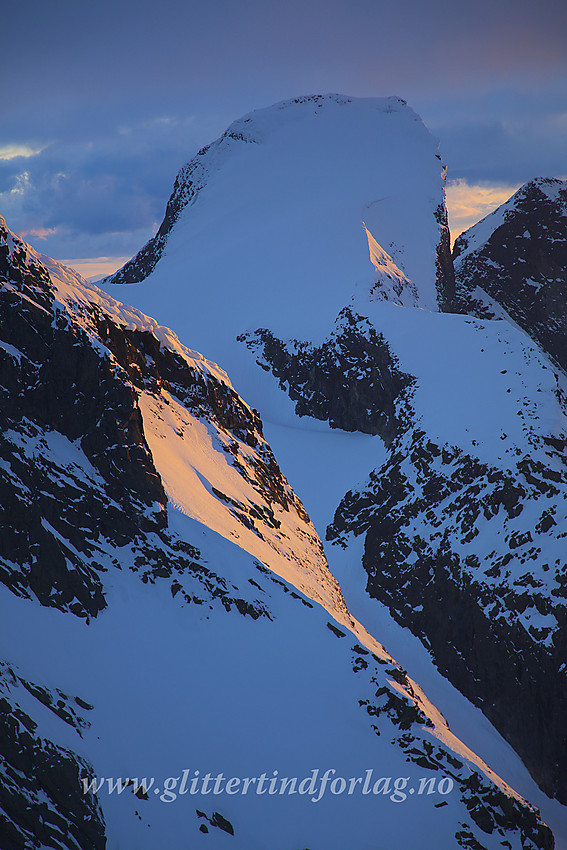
{"x":188,"y":183}
{"x":77,"y":478}
{"x":60,"y":396}
{"x":351,"y":380}
{"x":468,"y":556}
{"x":444,"y":263}
{"x":42,"y":802}
{"x":516,"y":260}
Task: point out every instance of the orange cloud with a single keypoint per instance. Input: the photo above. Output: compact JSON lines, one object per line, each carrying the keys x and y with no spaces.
{"x":39,"y":232}
{"x":92,"y":267}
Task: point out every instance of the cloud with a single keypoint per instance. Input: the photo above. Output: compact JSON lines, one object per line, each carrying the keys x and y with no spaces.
{"x":38,"y":232}
{"x":102,"y":189}
{"x":467,"y":204}
{"x":95,"y":268}
{"x":15,"y":151}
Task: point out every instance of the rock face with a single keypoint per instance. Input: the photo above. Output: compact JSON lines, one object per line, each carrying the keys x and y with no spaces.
{"x":468,"y":556}
{"x":121,"y":449}
{"x":464,"y":527}
{"x":446,"y":287}
{"x":515,"y":260}
{"x":351,"y":380}
{"x":42,"y":803}
{"x":57,"y":394}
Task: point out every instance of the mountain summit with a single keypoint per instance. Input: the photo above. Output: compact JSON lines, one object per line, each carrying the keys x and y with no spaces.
{"x":280,"y":221}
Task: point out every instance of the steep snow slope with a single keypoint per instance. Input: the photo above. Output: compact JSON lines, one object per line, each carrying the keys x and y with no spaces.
{"x":150,"y":644}
{"x":208,"y":445}
{"x":309,"y":241}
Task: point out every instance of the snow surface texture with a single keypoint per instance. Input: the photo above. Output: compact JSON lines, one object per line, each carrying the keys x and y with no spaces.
{"x":315,"y":205}
{"x":174,"y":677}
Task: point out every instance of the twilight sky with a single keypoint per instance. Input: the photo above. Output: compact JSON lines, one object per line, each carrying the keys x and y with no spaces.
{"x":103,"y":102}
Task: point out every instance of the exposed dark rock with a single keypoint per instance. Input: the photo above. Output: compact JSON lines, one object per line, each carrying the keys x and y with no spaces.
{"x":187,"y":185}
{"x":42,"y":800}
{"x":521,"y":263}
{"x":351,"y":380}
{"x":336,"y":631}
{"x":216,"y":819}
{"x":445,"y":281}
{"x":222,"y":823}
{"x":55,"y":385}
{"x":470,"y":611}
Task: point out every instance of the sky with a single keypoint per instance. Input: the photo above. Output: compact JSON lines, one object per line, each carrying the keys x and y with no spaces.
{"x":102,"y":103}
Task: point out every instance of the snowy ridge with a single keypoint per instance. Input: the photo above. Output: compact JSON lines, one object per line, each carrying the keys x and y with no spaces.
{"x":194,"y":463}
{"x":193,"y":459}
{"x":168,"y":425}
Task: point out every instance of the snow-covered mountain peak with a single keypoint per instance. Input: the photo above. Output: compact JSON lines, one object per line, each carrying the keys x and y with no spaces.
{"x":259,"y":123}
{"x":552,"y":187}
{"x":280,"y":221}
